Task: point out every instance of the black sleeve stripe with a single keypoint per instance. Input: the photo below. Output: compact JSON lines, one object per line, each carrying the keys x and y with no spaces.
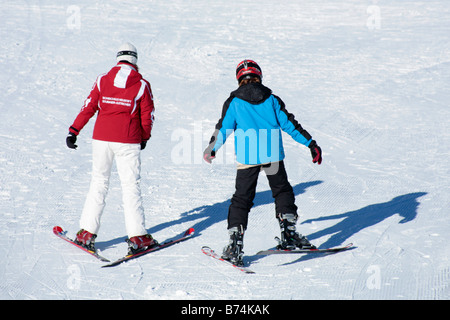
{"x":225,"y":107}
{"x":291,"y":119}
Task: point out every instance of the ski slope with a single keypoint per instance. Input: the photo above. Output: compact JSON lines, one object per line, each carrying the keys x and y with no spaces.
{"x":370,"y":80}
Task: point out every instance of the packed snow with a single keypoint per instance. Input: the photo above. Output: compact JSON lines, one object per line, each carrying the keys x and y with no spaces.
{"x":370,"y":80}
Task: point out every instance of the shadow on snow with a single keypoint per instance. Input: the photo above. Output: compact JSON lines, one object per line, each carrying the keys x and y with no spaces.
{"x":353,"y":222}
{"x":349,"y":223}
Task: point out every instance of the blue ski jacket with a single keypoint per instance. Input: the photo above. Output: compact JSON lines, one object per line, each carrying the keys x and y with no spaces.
{"x":256,"y":117}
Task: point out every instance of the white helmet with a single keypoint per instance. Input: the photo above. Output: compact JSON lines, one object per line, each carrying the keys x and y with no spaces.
{"x":127,"y":52}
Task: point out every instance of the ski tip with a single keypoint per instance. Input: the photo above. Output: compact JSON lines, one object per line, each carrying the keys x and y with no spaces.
{"x":189,"y":232}
{"x":57,"y":230}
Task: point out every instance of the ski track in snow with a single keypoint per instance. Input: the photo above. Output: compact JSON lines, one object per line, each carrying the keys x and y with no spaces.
{"x":375,"y":100}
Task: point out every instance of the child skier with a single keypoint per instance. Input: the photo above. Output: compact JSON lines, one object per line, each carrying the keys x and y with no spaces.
{"x":255,"y":116}
{"x":124,"y":103}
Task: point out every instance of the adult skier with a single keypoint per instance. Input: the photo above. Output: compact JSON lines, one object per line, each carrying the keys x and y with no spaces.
{"x":256,"y":116}
{"x":123,"y":102}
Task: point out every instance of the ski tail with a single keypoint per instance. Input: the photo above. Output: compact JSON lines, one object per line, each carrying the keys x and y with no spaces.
{"x":312,"y":250}
{"x":167,"y":243}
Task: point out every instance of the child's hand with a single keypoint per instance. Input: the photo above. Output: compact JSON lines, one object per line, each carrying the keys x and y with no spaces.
{"x":209,"y":155}
{"x":316,"y":152}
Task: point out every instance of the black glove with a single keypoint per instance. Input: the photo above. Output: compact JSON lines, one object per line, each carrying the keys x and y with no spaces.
{"x":70,"y":140}
{"x":143,"y":144}
{"x":316,"y":152}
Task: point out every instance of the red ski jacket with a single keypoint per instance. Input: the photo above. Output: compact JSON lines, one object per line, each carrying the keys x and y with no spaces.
{"x":124,"y":103}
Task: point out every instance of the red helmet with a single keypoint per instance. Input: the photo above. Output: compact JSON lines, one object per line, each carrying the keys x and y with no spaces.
{"x":248,"y":68}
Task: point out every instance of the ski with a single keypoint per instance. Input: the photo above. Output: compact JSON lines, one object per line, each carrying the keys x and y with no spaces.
{"x":59,"y":232}
{"x":326,"y":250}
{"x":184,"y":236}
{"x":211,"y":253}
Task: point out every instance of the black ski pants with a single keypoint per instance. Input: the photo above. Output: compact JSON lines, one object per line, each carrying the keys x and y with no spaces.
{"x":246,"y":181}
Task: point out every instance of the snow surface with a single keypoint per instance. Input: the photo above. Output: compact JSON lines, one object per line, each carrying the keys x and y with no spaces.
{"x":368,"y":79}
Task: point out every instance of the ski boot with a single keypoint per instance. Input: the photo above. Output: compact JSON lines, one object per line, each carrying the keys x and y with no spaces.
{"x":86,"y":239}
{"x":233,"y":251}
{"x":290,"y":239}
{"x":141,"y":243}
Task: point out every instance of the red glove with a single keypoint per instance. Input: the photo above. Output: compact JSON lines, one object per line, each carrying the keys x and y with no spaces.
{"x":316,"y":152}
{"x":209,"y":155}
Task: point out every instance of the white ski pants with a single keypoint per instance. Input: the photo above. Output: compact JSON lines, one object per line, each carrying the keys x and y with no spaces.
{"x":128,"y":163}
